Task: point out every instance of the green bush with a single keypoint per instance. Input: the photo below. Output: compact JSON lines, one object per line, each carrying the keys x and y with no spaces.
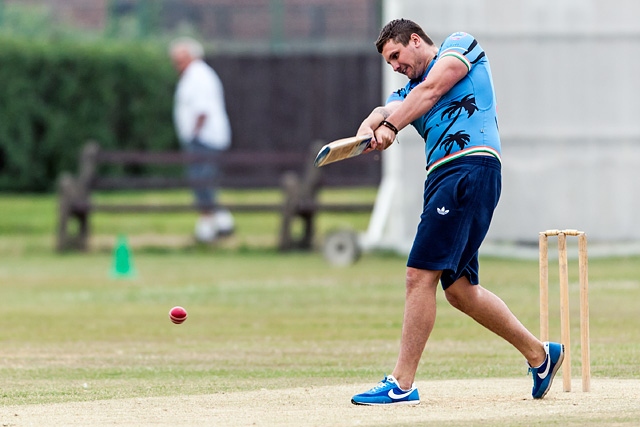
{"x":56,"y":95}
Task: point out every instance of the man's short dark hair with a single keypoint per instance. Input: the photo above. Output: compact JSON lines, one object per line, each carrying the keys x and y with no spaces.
{"x":400,"y":30}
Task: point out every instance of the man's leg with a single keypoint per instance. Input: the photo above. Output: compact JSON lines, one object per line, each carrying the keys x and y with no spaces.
{"x":491,"y":312}
{"x":419,"y":318}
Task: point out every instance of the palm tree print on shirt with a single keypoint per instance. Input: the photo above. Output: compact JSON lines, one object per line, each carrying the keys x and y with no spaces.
{"x":454,"y":109}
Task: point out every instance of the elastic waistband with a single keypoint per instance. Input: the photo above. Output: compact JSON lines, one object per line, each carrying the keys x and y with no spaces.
{"x":489,"y":152}
{"x":478,"y":161}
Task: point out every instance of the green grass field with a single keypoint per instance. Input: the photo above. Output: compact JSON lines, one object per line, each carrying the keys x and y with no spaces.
{"x":257,"y":318}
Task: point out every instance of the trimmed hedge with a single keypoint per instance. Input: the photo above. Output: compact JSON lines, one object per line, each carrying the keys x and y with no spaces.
{"x":56,"y":96}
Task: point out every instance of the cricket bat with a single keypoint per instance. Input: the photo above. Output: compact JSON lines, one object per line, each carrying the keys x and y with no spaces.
{"x":342,"y":149}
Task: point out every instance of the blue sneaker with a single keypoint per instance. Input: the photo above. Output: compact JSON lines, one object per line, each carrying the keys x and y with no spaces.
{"x":387,"y":392}
{"x":543,"y":374}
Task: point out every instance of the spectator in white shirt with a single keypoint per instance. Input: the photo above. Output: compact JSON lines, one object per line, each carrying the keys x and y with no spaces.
{"x":202,"y":126}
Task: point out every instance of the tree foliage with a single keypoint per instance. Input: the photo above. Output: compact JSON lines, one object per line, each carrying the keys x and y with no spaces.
{"x":56,"y":95}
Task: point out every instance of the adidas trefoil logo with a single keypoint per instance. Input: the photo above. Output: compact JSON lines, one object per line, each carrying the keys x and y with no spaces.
{"x":442,"y":210}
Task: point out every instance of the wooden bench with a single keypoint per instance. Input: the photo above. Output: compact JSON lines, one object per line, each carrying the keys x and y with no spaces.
{"x":294,"y":173}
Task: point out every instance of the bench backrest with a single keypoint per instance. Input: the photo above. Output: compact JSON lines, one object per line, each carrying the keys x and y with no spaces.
{"x":118,"y":169}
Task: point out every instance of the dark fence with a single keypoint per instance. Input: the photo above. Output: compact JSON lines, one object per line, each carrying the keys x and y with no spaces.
{"x":287,"y":102}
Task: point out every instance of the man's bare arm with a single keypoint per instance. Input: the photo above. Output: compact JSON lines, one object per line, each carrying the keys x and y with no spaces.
{"x":200,"y":120}
{"x":378,"y":114}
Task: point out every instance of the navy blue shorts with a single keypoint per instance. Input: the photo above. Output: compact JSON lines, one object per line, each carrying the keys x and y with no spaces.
{"x":459,"y":200}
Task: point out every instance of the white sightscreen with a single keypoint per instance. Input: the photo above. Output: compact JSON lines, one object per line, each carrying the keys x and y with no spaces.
{"x":566,"y":78}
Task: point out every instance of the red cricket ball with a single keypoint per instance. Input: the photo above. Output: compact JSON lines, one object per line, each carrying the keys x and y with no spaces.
{"x":178,"y":315}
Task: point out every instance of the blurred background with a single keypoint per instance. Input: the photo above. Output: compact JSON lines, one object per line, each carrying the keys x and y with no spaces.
{"x":293,"y":72}
{"x":245,"y":25}
{"x":299,"y":71}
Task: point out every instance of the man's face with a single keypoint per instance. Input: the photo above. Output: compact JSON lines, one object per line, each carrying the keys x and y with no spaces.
{"x":181,"y":59}
{"x":405,"y":59}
